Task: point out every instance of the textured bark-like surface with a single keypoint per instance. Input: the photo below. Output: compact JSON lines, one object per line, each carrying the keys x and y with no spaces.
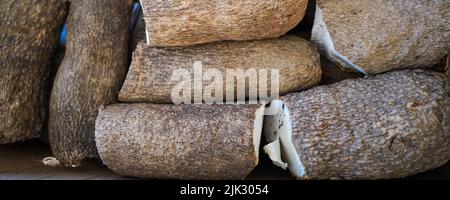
{"x":388,"y":126}
{"x":384,"y":35}
{"x":333,"y":73}
{"x":29,"y":33}
{"x":149,"y":78}
{"x":180,"y":141}
{"x":188,"y":22}
{"x":90,"y":75}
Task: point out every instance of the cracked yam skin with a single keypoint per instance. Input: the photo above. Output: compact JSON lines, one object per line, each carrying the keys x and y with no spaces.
{"x":388,"y":126}
{"x":29,"y":33}
{"x":149,"y":79}
{"x":91,"y":74}
{"x":165,"y":141}
{"x":189,"y":22}
{"x":387,"y":35}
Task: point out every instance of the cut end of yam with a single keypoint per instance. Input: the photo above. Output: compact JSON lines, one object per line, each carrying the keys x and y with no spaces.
{"x":278,"y":133}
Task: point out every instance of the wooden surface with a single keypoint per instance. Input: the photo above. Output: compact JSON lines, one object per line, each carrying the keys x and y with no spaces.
{"x":23,"y":161}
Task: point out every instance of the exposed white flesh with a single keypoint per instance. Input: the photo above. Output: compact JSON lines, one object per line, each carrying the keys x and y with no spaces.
{"x":278,"y":133}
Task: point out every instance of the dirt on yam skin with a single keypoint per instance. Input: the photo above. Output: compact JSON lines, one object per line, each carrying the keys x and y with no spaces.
{"x":388,"y":126}
{"x":29,"y":32}
{"x":90,"y":75}
{"x":166,"y":141}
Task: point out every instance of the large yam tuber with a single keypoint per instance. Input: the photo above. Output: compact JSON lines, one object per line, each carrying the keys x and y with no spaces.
{"x":90,"y":75}
{"x":389,"y":126}
{"x":197,"y":141}
{"x":29,"y":33}
{"x":375,"y":36}
{"x":189,"y":22}
{"x":150,"y":75}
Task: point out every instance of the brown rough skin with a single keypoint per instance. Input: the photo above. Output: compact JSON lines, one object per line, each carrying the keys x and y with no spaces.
{"x":389,"y":126}
{"x":149,"y":78}
{"x":90,"y":75}
{"x":163,"y":141}
{"x":387,"y":35}
{"x":29,"y":33}
{"x":188,"y":22}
